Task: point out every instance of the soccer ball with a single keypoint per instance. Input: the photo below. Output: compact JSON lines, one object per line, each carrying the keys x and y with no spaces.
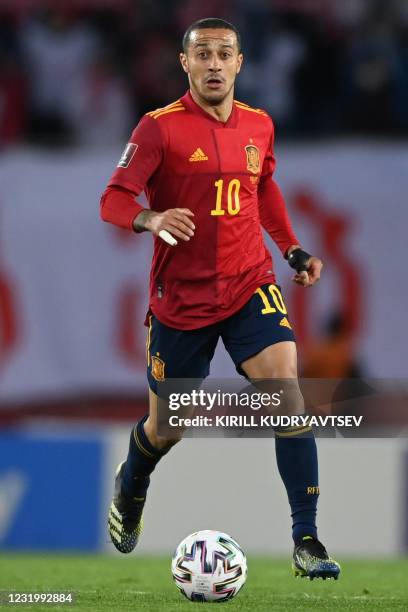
{"x":209,"y":566}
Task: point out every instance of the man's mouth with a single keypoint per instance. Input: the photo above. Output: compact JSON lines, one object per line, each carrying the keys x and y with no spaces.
{"x":214,"y":82}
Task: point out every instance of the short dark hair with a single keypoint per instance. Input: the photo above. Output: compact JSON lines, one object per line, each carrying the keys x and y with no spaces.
{"x":210,"y":22}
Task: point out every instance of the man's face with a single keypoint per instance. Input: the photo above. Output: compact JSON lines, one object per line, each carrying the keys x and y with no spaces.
{"x":212,"y":63}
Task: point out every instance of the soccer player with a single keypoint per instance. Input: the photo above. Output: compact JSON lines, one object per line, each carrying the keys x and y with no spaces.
{"x":206,"y":163}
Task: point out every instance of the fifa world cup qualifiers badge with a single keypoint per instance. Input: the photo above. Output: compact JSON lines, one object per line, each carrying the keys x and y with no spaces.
{"x":127,"y":155}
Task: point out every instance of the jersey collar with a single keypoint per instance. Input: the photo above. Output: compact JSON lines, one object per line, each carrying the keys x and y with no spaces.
{"x":192,"y":106}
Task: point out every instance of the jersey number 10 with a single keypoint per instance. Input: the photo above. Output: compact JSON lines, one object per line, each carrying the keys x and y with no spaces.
{"x":233,"y":205}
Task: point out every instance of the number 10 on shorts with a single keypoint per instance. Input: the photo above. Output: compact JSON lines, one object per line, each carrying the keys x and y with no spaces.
{"x":277,"y":300}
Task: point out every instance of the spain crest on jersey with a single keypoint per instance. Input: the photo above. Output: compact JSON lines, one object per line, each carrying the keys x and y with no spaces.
{"x":253,"y":159}
{"x":158,"y":368}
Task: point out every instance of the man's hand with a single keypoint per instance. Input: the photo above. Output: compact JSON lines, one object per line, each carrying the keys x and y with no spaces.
{"x":309,"y":277}
{"x":311,"y":271}
{"x":175,"y":221}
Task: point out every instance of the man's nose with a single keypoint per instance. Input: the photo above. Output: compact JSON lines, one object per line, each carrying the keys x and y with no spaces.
{"x":215,"y":63}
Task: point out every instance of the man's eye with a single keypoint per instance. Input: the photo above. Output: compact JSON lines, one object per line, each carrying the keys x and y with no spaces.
{"x":225,"y":55}
{"x":202,"y":55}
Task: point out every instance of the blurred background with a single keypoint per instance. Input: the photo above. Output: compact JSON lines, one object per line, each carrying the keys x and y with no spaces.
{"x":75,"y":77}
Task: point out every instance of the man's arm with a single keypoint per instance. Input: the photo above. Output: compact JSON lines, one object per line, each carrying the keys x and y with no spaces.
{"x":275,"y":219}
{"x":119,"y":206}
{"x":274,"y":215}
{"x":140,"y":160}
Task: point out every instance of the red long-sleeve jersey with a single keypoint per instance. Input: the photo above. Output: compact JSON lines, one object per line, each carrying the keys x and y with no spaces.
{"x":182,"y":157}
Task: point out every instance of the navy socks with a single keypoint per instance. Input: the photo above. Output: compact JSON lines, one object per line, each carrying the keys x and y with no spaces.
{"x":141,"y":460}
{"x":296,"y":456}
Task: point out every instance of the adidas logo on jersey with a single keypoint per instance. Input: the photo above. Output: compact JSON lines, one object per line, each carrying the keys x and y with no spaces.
{"x":285,"y":323}
{"x":198,"y":155}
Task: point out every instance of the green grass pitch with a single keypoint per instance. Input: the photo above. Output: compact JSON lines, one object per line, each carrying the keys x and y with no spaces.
{"x":137,"y":582}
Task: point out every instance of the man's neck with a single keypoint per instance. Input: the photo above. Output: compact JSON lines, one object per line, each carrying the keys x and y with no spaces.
{"x":221,"y":111}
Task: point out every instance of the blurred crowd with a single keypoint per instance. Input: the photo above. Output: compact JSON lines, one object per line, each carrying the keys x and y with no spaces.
{"x":81,"y":72}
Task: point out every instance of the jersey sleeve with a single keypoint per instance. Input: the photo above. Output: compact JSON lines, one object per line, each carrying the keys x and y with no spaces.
{"x":119,"y":207}
{"x":139,"y":161}
{"x":272,"y":208}
{"x":141,"y":158}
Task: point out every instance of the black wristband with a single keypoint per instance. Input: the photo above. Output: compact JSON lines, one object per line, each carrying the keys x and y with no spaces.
{"x":298,"y":260}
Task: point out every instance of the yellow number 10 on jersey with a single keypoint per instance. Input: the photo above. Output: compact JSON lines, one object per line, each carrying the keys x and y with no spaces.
{"x":232,"y":198}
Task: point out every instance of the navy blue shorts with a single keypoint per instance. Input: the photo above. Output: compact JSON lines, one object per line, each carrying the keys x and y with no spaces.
{"x":173,"y":353}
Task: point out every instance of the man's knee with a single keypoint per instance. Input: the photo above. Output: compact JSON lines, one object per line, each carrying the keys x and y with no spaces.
{"x":275,"y":361}
{"x":290,"y":400}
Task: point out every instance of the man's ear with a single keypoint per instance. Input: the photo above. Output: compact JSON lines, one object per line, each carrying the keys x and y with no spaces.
{"x":240,"y":60}
{"x":184,"y":62}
